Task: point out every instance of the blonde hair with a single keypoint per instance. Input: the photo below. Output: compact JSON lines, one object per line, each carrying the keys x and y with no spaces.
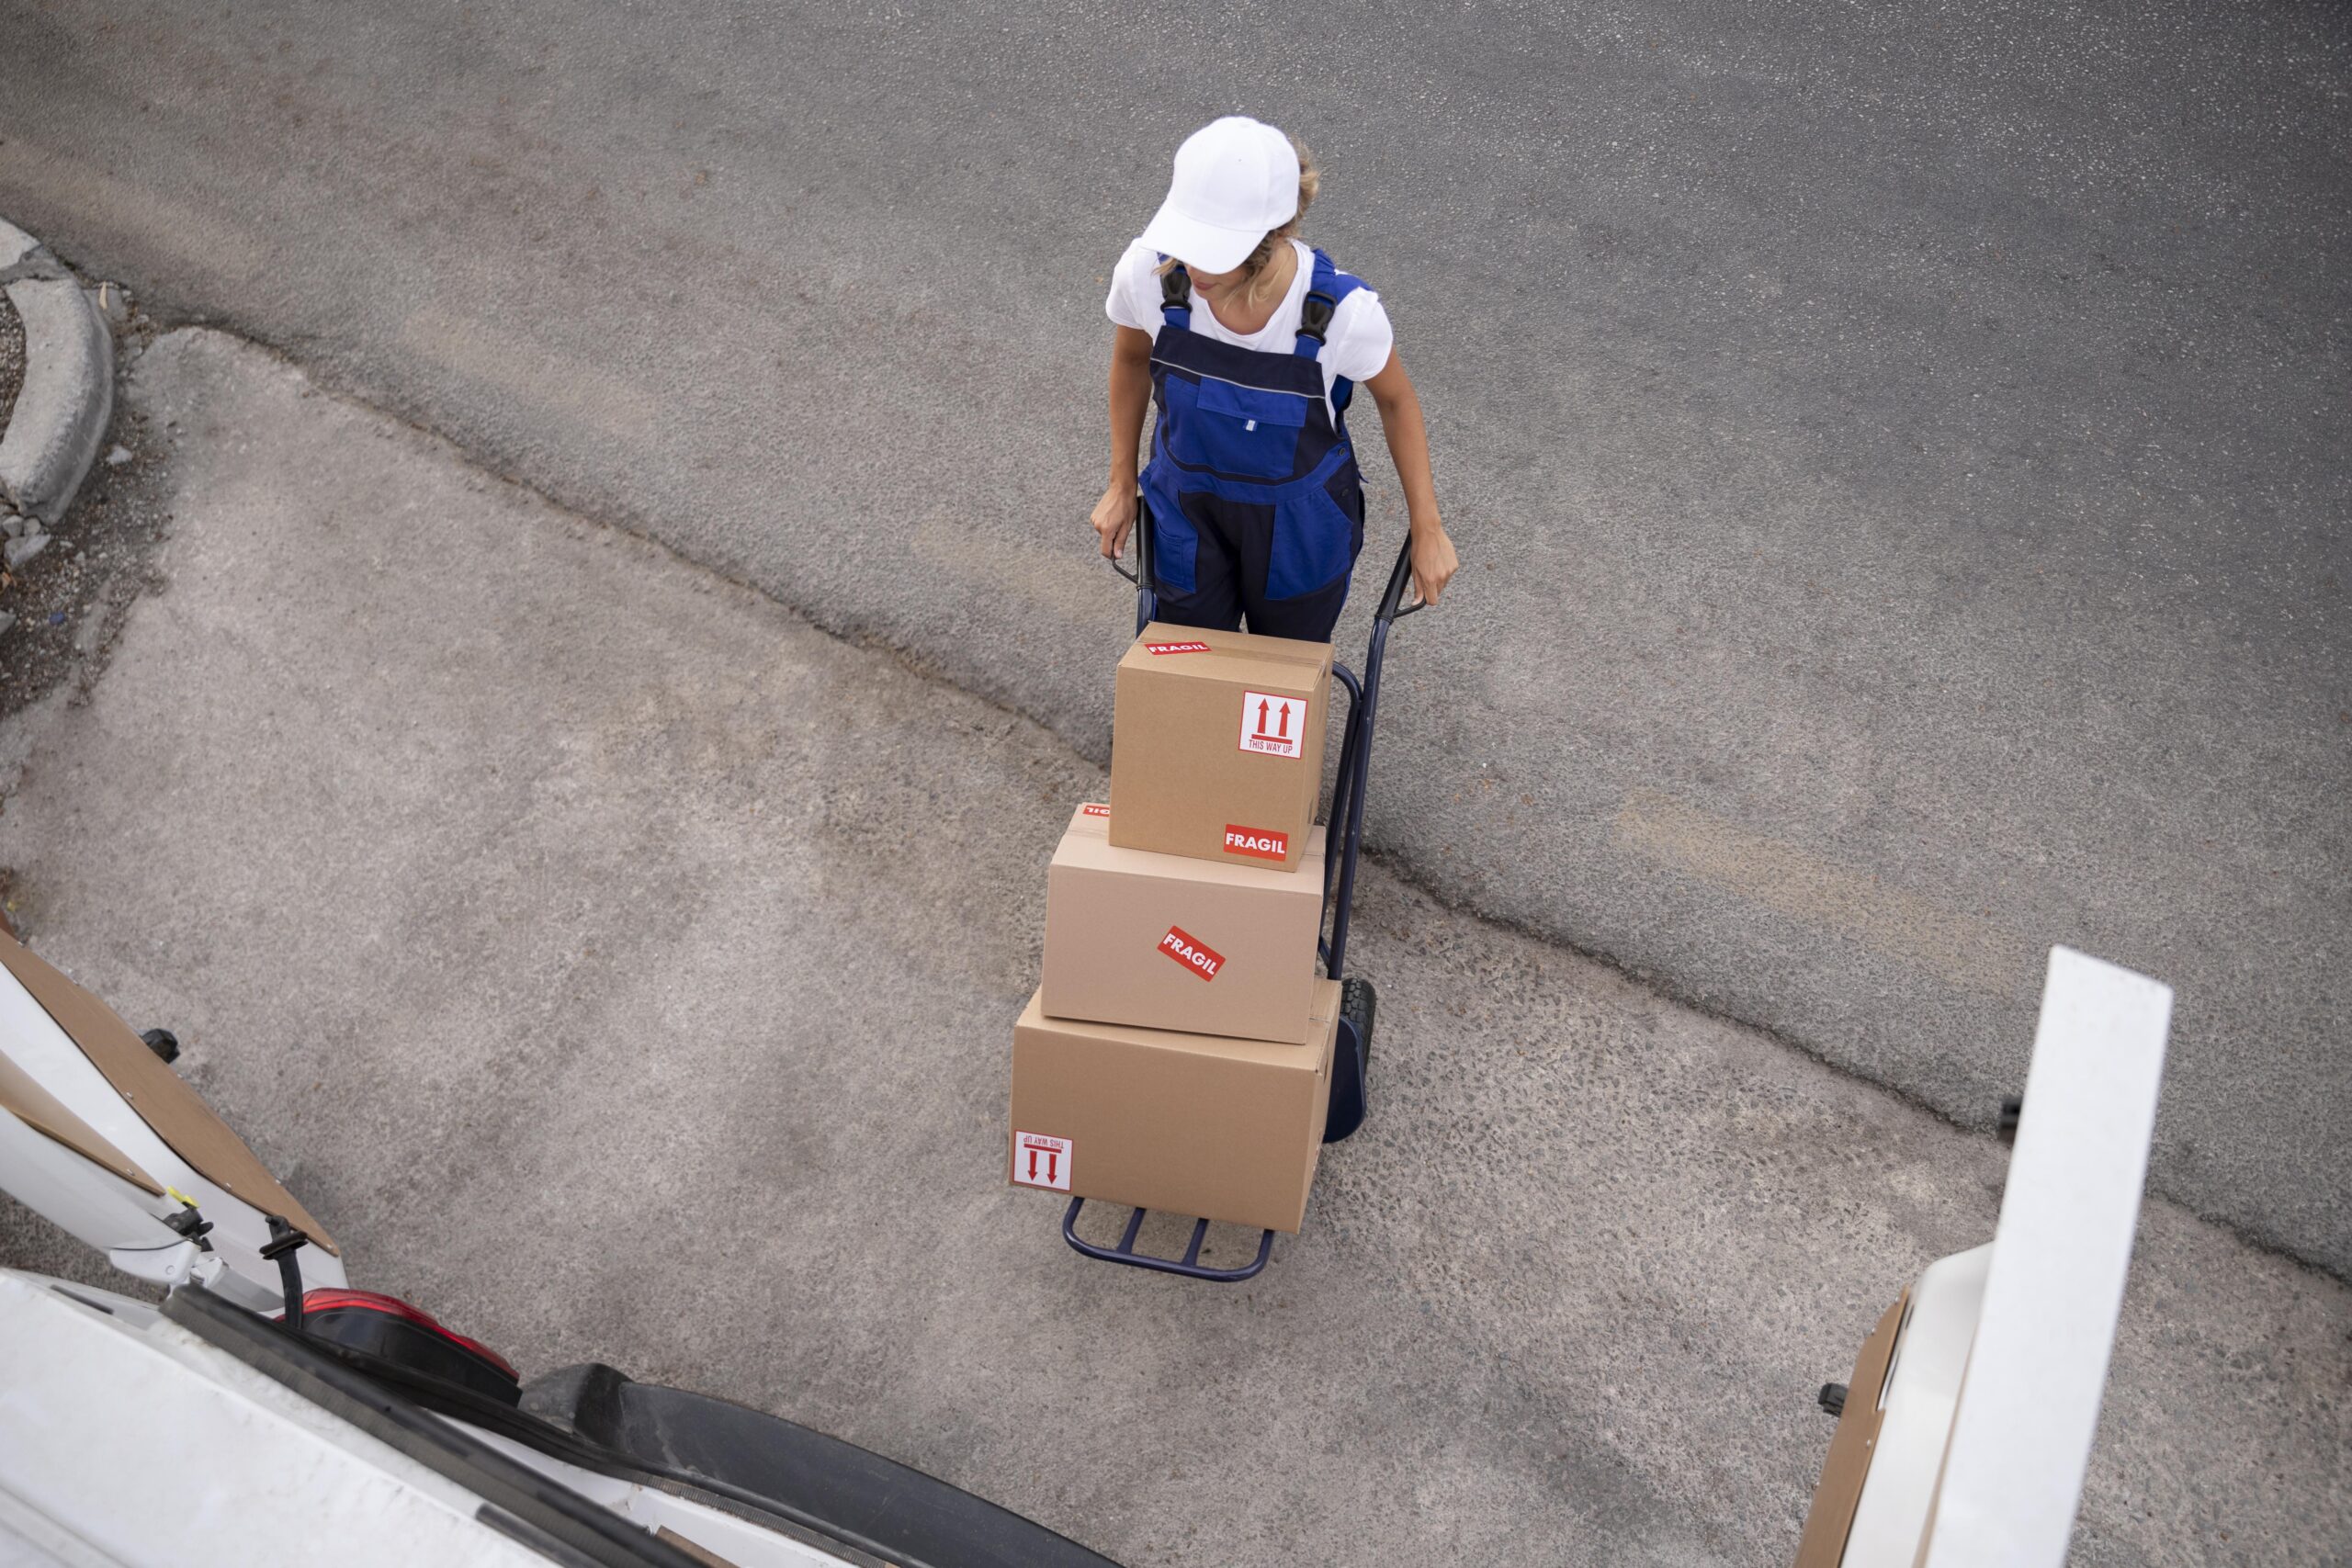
{"x":1257,"y":268}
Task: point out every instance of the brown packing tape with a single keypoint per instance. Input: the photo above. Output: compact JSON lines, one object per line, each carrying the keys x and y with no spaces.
{"x":693,"y":1549}
{"x":23,"y":1097}
{"x":177,"y":1112}
{"x":1851,"y":1449}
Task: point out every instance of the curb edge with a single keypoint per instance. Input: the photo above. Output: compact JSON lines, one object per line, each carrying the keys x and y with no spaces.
{"x":67,"y":399}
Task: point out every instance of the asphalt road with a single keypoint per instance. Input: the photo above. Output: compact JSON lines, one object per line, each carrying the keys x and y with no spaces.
{"x":1898,"y":455}
{"x":566,"y":927}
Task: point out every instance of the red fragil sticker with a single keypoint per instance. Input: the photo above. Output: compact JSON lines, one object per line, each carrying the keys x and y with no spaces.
{"x":1039,"y":1161}
{"x":1262,"y":842}
{"x":1194,"y":954}
{"x":1093,"y":809}
{"x":1274,"y":725}
{"x":1158,"y":649}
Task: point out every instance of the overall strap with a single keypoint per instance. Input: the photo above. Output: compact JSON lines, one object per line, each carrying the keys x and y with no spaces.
{"x":1176,"y":296}
{"x":1315,"y":311}
{"x":1326,"y":287}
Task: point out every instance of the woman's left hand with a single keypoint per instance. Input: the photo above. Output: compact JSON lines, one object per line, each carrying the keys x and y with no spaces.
{"x":1434,"y":563}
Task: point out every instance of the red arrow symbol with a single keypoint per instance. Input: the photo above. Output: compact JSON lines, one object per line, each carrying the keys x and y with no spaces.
{"x":1261,"y":716}
{"x":1032,"y":1165}
{"x":1283,"y":732}
{"x":1053,"y":1167}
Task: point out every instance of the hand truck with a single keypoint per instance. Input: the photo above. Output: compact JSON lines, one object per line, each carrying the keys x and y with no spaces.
{"x":1352,"y":1054}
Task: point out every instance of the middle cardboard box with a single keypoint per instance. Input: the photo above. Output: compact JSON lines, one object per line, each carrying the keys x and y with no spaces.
{"x":1164,"y":942}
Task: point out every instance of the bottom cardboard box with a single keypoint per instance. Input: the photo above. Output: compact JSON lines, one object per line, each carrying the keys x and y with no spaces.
{"x":1193,"y":1124}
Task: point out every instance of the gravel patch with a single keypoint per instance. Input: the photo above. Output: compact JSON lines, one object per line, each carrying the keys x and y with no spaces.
{"x":59,"y":609}
{"x":12,"y":359}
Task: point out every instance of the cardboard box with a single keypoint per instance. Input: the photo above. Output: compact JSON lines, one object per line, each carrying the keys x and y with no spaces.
{"x":1193,"y":1124}
{"x":170,"y":1106}
{"x":1165,"y":942}
{"x":1217,"y":745}
{"x":1851,"y":1447}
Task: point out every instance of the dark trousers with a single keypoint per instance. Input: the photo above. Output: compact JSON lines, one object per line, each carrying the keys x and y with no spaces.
{"x":1230,"y":581}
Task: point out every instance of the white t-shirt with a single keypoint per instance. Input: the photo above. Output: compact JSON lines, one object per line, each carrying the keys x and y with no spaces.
{"x":1356,"y":345}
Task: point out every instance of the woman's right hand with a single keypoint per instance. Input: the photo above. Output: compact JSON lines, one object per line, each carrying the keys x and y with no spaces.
{"x":1115,"y":517}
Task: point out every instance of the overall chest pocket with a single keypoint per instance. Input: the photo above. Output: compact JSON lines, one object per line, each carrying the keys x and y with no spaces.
{"x":1246,"y":432}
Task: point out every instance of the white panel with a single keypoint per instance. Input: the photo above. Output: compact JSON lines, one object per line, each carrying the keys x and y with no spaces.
{"x":127,"y":1435}
{"x":125,"y":1440}
{"x":35,"y":1042}
{"x":90,"y":1203}
{"x":2013,"y":1474}
{"x":1922,"y":1390}
{"x":27,"y":1539}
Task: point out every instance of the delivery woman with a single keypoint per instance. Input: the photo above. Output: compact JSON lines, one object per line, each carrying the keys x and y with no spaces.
{"x":1253,"y":344}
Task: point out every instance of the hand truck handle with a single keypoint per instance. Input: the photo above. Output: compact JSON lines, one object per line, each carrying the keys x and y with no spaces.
{"x":1392,"y":603}
{"x":1141,"y":532}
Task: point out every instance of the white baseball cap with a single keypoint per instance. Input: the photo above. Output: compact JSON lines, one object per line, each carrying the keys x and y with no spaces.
{"x":1237,"y":181}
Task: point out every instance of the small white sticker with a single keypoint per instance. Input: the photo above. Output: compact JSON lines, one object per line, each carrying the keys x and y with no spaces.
{"x":1040,"y":1161}
{"x":1274,"y":725}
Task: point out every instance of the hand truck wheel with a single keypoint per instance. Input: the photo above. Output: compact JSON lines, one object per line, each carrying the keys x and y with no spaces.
{"x":1351,"y":1061}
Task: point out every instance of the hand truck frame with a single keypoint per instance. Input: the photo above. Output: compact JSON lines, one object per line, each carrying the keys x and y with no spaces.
{"x":1352,"y":1054}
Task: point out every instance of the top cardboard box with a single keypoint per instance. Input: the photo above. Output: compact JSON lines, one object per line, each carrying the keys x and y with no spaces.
{"x":1216,"y":744}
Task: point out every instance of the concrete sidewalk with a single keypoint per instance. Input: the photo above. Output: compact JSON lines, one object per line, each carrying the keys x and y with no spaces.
{"x":625,"y":969}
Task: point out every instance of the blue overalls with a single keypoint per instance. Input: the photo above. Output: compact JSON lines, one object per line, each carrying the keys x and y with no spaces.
{"x":1256,"y":505}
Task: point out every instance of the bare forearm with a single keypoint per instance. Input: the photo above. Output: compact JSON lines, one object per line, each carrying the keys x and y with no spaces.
{"x":1408,"y":444}
{"x":1130,"y":395}
{"x":1408,"y":449}
{"x":1434,"y":561}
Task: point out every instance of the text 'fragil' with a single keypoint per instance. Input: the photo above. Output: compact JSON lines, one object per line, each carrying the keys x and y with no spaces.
{"x":1191,"y":952}
{"x":1262,"y":842}
{"x":1159,"y":647}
